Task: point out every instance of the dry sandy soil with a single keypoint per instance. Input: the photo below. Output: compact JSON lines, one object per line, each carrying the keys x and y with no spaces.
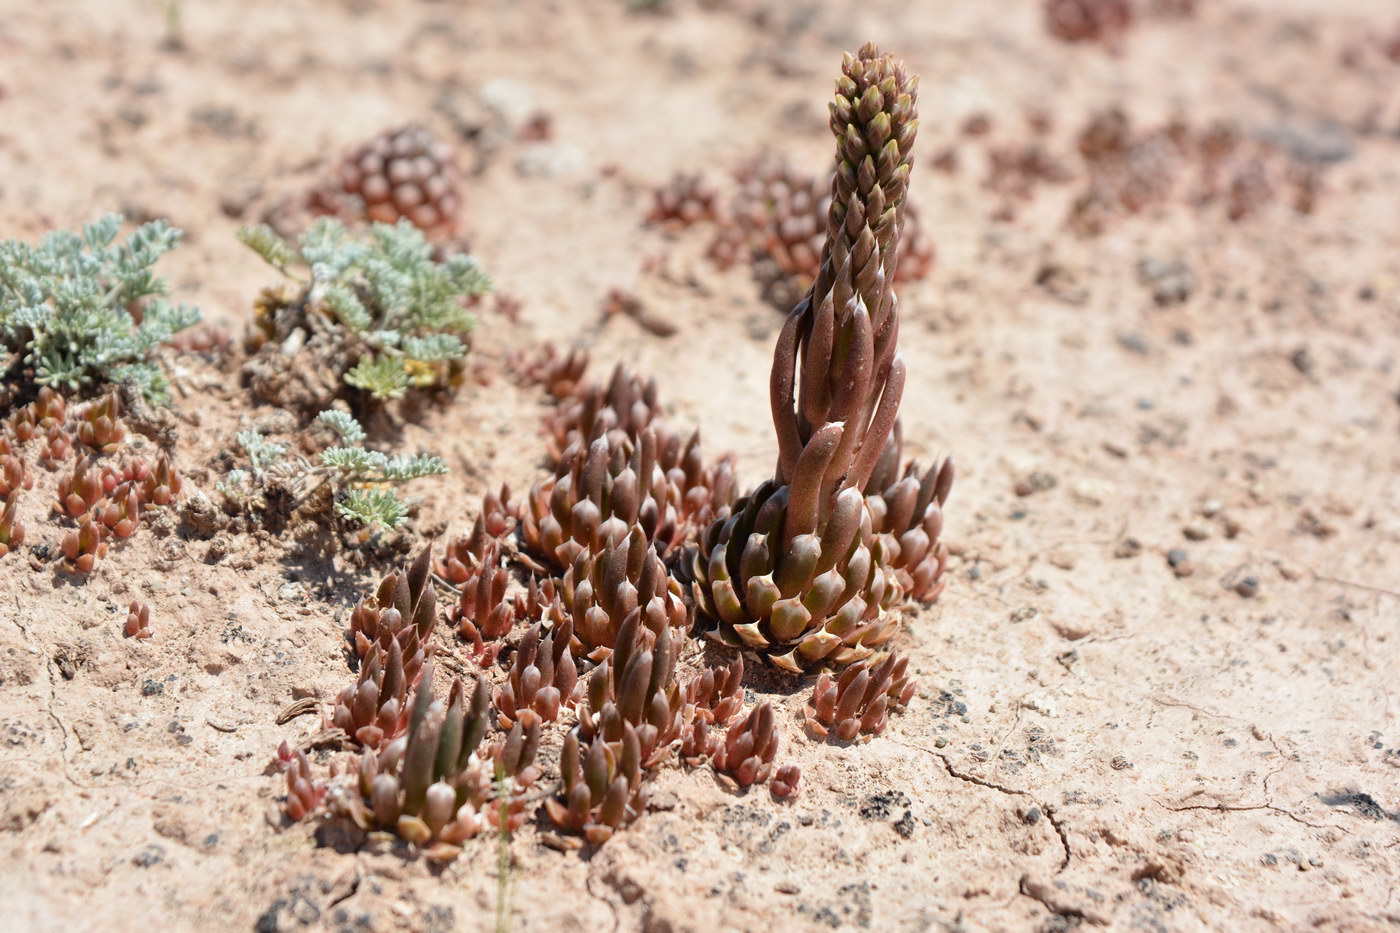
{"x":1098,"y":741}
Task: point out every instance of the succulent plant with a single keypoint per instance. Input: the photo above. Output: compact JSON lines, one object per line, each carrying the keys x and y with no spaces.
{"x":404,"y":173}
{"x":78,"y":310}
{"x":138,"y":620}
{"x":636,"y":686}
{"x":81,"y":490}
{"x":100,"y":427}
{"x":542,"y":676}
{"x":716,"y":694}
{"x":374,"y":709}
{"x":603,"y":788}
{"x":787,"y":782}
{"x":907,"y":510}
{"x":433,"y":786}
{"x":11,"y":529}
{"x":1103,"y":21}
{"x":305,"y":791}
{"x":380,"y":315}
{"x":13,"y":475}
{"x":747,"y":752}
{"x":621,"y":582}
{"x":403,"y":610}
{"x":685,"y":200}
{"x":626,"y":404}
{"x":82,"y":548}
{"x":796,"y":572}
{"x":860,"y":700}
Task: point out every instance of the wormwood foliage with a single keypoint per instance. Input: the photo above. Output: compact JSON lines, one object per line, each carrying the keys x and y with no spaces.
{"x":363,"y":480}
{"x":402,"y":310}
{"x":80,"y":309}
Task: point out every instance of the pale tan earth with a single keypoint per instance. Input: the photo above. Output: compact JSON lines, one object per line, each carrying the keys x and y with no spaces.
{"x":1097,"y":742}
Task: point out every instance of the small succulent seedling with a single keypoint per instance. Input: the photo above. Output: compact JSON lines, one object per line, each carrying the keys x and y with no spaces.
{"x":78,"y":310}
{"x":138,"y":620}
{"x":380,"y":312}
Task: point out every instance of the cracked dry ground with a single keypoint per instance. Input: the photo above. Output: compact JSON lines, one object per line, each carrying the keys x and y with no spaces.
{"x":1098,"y":741}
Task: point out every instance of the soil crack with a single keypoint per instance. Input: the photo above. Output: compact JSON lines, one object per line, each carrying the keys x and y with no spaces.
{"x":1046,"y":809}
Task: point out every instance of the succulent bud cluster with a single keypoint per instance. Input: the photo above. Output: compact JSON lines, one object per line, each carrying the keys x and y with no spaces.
{"x":861,"y":699}
{"x":557,"y":372}
{"x":798,"y":571}
{"x":401,"y":173}
{"x":747,"y":752}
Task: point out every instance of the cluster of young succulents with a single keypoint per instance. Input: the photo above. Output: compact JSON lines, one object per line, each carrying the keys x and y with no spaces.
{"x":406,"y":173}
{"x":1132,"y":171}
{"x":809,"y":571}
{"x":103,"y":499}
{"x":80,"y":310}
{"x":687,"y":199}
{"x":797,"y":572}
{"x":379,"y":315}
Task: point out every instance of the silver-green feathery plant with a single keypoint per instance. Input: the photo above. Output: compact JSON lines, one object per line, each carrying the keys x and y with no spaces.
{"x":81,"y":309}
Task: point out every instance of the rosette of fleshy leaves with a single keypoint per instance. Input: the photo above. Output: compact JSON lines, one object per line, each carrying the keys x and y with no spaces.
{"x":543,"y":676}
{"x":403,"y":610}
{"x":374,"y":709}
{"x":861,"y":699}
{"x":625,"y":403}
{"x":621,"y":582}
{"x":797,"y":572}
{"x":436,"y":786}
{"x":906,"y":508}
{"x":603,"y":788}
{"x":636,"y":686}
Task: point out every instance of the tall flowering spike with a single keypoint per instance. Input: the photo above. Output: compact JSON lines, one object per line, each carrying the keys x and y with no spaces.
{"x":798,"y":572}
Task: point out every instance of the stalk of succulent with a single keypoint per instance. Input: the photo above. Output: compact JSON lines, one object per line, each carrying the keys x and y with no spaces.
{"x":907,"y":510}
{"x":796,"y":572}
{"x":602,"y":786}
{"x":403,"y":610}
{"x":542,"y":677}
{"x":433,"y":786}
{"x":82,"y":309}
{"x":860,"y":700}
{"x":374,"y":709}
{"x":636,"y":686}
{"x":11,"y":528}
{"x":82,"y":548}
{"x":138,"y":620}
{"x":621,"y":583}
{"x":746,"y":755}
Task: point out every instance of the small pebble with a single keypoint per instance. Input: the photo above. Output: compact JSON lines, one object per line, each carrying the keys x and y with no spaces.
{"x":1247,"y":587}
{"x":1196,"y":531}
{"x":1180,"y":562}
